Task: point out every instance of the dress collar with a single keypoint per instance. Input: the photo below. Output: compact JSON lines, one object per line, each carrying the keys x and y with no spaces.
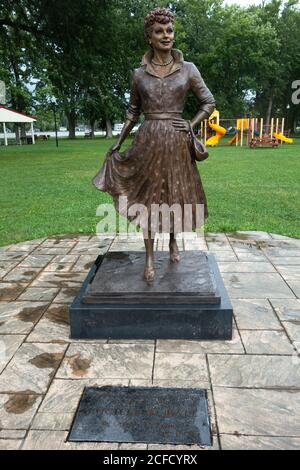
{"x":178,"y":60}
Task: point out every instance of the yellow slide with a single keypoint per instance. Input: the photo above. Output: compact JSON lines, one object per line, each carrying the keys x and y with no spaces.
{"x":283,"y":138}
{"x":234,"y":139}
{"x":220,"y":132}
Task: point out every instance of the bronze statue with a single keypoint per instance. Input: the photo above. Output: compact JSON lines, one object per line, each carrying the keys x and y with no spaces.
{"x":157,"y":168}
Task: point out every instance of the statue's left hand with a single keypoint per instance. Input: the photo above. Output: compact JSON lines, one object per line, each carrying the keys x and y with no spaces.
{"x":181,"y":124}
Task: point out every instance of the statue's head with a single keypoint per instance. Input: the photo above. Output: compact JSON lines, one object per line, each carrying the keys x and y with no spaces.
{"x":159,"y":29}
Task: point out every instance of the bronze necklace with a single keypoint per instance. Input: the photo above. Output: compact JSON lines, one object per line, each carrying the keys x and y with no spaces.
{"x":163,"y":64}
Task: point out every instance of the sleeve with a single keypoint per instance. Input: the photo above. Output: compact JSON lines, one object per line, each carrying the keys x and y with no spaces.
{"x":134,"y":108}
{"x":205,"y":97}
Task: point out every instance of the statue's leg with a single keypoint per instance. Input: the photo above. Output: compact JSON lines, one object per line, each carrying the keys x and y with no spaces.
{"x":174,"y":251}
{"x":149,"y":272}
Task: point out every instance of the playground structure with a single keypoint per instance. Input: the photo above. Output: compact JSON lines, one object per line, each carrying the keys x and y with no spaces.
{"x":243,"y":131}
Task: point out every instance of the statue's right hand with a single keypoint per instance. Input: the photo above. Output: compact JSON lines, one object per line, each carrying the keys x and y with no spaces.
{"x":115,"y":147}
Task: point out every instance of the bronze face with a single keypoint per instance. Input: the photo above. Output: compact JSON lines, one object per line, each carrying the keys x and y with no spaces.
{"x":162,"y":37}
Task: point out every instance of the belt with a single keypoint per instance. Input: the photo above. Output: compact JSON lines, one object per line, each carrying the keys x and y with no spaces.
{"x":162,"y":115}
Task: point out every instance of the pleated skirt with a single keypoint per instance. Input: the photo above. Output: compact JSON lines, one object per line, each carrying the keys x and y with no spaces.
{"x":157,"y":170}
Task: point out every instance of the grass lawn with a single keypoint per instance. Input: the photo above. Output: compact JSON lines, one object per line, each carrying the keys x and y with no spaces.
{"x":47,"y":191}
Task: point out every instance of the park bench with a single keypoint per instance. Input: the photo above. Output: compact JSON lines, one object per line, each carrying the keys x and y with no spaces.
{"x":264,"y":140}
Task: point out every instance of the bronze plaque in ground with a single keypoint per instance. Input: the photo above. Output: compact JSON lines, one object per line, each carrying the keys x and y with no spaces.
{"x":119,"y":278}
{"x":142,"y":414}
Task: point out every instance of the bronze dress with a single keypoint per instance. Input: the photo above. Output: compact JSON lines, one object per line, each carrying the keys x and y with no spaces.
{"x":157,"y":168}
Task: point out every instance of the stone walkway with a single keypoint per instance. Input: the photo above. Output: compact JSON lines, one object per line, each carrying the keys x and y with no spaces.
{"x":253,"y":381}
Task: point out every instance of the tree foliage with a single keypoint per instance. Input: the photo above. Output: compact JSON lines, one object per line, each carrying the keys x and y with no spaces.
{"x":83,"y":51}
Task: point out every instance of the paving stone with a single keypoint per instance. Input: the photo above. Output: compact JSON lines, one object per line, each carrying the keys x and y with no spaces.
{"x":53,"y":421}
{"x":281,"y":253}
{"x":287,"y":244}
{"x":181,"y":366}
{"x":58,"y":242}
{"x":221,"y":245}
{"x":293,"y":330}
{"x":256,"y":285}
{"x":6,"y":266}
{"x":107,"y":361}
{"x":12,"y":255}
{"x":8,"y":346}
{"x":22,"y":274}
{"x":276,"y":236}
{"x":139,"y":246}
{"x":179,"y":448}
{"x":250,"y":255}
{"x":11,"y":290}
{"x":78,"y":237}
{"x":132,"y":447}
{"x":59,"y":267}
{"x":289,"y":260}
{"x":289,"y":272}
{"x":215,"y":236}
{"x":201,"y":347}
{"x":12,"y":433}
{"x":232,"y":442}
{"x":225,"y":256}
{"x":248,"y":235}
{"x":258,"y":412}
{"x":10,"y":444}
{"x":88,"y":248}
{"x":254,"y":371}
{"x":57,"y":440}
{"x":19,"y":317}
{"x":65,"y":258}
{"x":39,"y":294}
{"x":84,"y":263}
{"x":17,"y":410}
{"x":295,"y":286}
{"x":53,"y":327}
{"x":36,"y":261}
{"x":57,"y":279}
{"x":67,"y":295}
{"x":63,"y":395}
{"x":189,"y":245}
{"x":266,"y":342}
{"x":246,"y":267}
{"x":288,"y":309}
{"x":31,"y":368}
{"x":51,"y":251}
{"x":24,"y":247}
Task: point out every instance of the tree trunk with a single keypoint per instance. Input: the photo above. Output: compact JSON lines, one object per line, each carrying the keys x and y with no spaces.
{"x":71,"y":116}
{"x":109,"y":133}
{"x":92,"y":126}
{"x":17,"y":132}
{"x":269,"y":112}
{"x":23,"y":130}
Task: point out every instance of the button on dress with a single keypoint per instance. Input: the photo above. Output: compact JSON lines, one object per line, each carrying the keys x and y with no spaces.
{"x":157,"y":168}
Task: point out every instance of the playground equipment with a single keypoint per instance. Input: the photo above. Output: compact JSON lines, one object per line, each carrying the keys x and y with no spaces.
{"x":250,"y":131}
{"x":283,"y":138}
{"x":219,"y":130}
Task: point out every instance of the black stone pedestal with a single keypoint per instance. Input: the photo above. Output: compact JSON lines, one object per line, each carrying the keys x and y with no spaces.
{"x":187,"y":300}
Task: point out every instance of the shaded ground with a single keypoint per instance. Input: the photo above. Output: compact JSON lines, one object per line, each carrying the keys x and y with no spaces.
{"x":253,"y":381}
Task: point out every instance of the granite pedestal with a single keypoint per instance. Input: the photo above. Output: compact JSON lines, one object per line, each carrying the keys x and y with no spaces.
{"x":187,"y":300}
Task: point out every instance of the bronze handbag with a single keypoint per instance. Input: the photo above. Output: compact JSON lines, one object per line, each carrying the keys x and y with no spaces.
{"x":198,"y":150}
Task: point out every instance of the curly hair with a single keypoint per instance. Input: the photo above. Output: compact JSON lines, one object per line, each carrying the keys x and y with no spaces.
{"x":158,"y":15}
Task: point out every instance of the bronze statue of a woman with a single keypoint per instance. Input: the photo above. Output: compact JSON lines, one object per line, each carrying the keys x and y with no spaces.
{"x":157,"y":168}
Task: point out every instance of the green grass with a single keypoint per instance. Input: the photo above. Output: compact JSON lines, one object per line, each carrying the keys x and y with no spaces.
{"x":48,"y":191}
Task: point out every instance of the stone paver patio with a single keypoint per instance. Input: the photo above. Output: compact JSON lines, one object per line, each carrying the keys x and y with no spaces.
{"x":253,"y":381}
